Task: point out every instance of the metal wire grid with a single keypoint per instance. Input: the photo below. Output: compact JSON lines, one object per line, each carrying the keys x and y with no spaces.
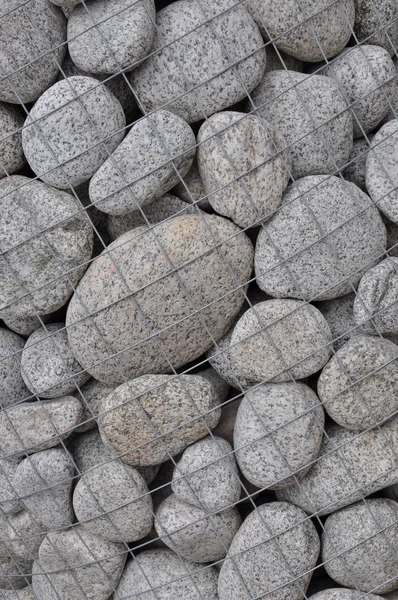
{"x":248,"y":496}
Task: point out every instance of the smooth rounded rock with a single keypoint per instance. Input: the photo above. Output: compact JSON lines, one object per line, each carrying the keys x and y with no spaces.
{"x":242,"y":167}
{"x":25,"y":534}
{"x":14,"y":572}
{"x":24,"y":594}
{"x":91,"y":395}
{"x":377,"y":23}
{"x":152,"y":158}
{"x":163,"y":323}
{"x":9,"y":499}
{"x":355,"y":172}
{"x":221,"y":387}
{"x":272,"y":555}
{"x":11,"y":154}
{"x":205,"y":57}
{"x":192,"y":190}
{"x":12,"y":385}
{"x":310,"y":113}
{"x":338,"y":312}
{"x":324,"y":237}
{"x":221,"y":360}
{"x":342,"y":594}
{"x":60,"y":153}
{"x":382,"y":170}
{"x":25,"y":325}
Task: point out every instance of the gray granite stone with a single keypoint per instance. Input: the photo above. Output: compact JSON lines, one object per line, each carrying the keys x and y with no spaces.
{"x":280,"y":339}
{"x":12,"y":386}
{"x":193,"y":533}
{"x":25,"y":325}
{"x":190,"y":68}
{"x":355,"y":172}
{"x":44,"y":483}
{"x":221,"y":360}
{"x":68,"y":4}
{"x":43,"y":236}
{"x":338,"y":312}
{"x":242,"y":167}
{"x":364,"y":536}
{"x":33,"y":426}
{"x":11,"y":154}
{"x":91,"y":395}
{"x":320,"y":242}
{"x":60,"y":153}
{"x":192,"y":189}
{"x":272,"y":555}
{"x":14,"y":572}
{"x":205,"y":251}
{"x":9,"y":500}
{"x":377,"y":23}
{"x":226,"y":425}
{"x":147,"y":164}
{"x":110,"y":37}
{"x":392,"y":236}
{"x":350,"y":466}
{"x":28,"y":30}
{"x":277,"y":60}
{"x":25,"y":535}
{"x":154,"y":416}
{"x":382,"y":170}
{"x":220,"y":385}
{"x":278,"y":433}
{"x":169,"y":575}
{"x":24,"y":594}
{"x":309,"y":112}
{"x":342,"y":594}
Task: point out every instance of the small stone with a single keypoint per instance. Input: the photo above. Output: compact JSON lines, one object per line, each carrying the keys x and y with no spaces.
{"x":355,"y":172}
{"x":9,"y":500}
{"x":194,"y":534}
{"x":66,"y":3}
{"x":272,"y":555}
{"x":338,"y":312}
{"x":156,"y":152}
{"x":377,"y":23}
{"x":226,"y":425}
{"x":44,"y":484}
{"x":359,"y":385}
{"x":382,"y":171}
{"x":14,"y":572}
{"x":364,"y":537}
{"x":154,"y":416}
{"x":162,"y":575}
{"x":221,"y":360}
{"x":60,"y":153}
{"x":33,"y":426}
{"x":11,"y":154}
{"x":280,"y":339}
{"x":24,"y":594}
{"x":278,"y":60}
{"x":324,"y":237}
{"x":25,"y":325}
{"x":122,"y":34}
{"x":113,"y":501}
{"x":12,"y":385}
{"x":310,"y":113}
{"x":222,"y":387}
{"x":342,"y":594}
{"x":278,"y":434}
{"x":25,"y":535}
{"x":242,"y":167}
{"x":91,"y":395}
{"x":192,"y":190}
{"x":207,"y":476}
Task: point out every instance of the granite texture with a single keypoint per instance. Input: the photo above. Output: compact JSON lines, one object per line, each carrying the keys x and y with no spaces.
{"x":382,"y":170}
{"x":9,"y":500}
{"x":11,"y":154}
{"x":278,"y":60}
{"x":91,"y":395}
{"x":338,"y":312}
{"x":192,"y":189}
{"x":25,"y":325}
{"x":12,"y":385}
{"x":25,"y":535}
{"x":14,"y":572}
{"x":342,"y":594}
{"x":377,"y":23}
{"x":355,"y":171}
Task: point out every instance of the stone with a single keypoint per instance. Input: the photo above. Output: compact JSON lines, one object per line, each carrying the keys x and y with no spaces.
{"x":91,"y":395}
{"x":242,"y":167}
{"x":392,"y":237}
{"x":69,"y":4}
{"x":14,"y":572}
{"x":58,"y":152}
{"x":366,"y":76}
{"x":355,"y":171}
{"x":382,"y":171}
{"x":278,"y":433}
{"x":166,"y":316}
{"x":25,"y":325}
{"x":278,"y":60}
{"x":9,"y":500}
{"x":310,"y":114}
{"x":34,"y":426}
{"x":207,"y":476}
{"x":226,"y":425}
{"x":110,"y":38}
{"x":342,"y":594}
{"x":155,"y":154}
{"x":205,"y":57}
{"x":192,"y":190}
{"x":221,"y":360}
{"x":277,"y":340}
{"x":323,"y":238}
{"x":359,"y":385}
{"x":28,"y":31}
{"x":377,"y":23}
{"x":24,"y":594}
{"x":365,"y":536}
{"x":153,"y":417}
{"x":272,"y":555}
{"x":169,"y":576}
{"x":222,"y":387}
{"x":12,"y":385}
{"x":48,"y":366}
{"x":77,"y":565}
{"x":25,"y":535}
{"x":113,"y":501}
{"x":11,"y":154}
{"x":44,"y":483}
{"x":193,"y":533}
{"x":45,"y":241}
{"x":338,"y":312}
{"x":349,"y":468}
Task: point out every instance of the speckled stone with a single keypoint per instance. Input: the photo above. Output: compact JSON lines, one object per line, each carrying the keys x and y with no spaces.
{"x":127,"y":322}
{"x":342,"y":594}
{"x":25,"y":535}
{"x":44,"y":484}
{"x":170,"y":575}
{"x":382,"y":170}
{"x":350,"y":467}
{"x":192,"y":189}
{"x":280,"y":339}
{"x":12,"y":386}
{"x":146,"y":165}
{"x":68,"y":4}
{"x":355,"y":172}
{"x":48,"y":366}
{"x":207,"y":476}
{"x":377,"y":23}
{"x":14,"y":572}
{"x":193,"y":533}
{"x":77,"y":565}
{"x":278,"y":431}
{"x":221,"y":386}
{"x":225,"y":426}
{"x":37,"y":262}
{"x":9,"y":500}
{"x":310,"y":113}
{"x":60,"y":153}
{"x":25,"y":325}
{"x":359,"y":385}
{"x":241,"y":166}
{"x":91,"y":395}
{"x":121,"y":493}
{"x":122,"y":35}
{"x":24,"y":594}
{"x":11,"y":154}
{"x":190,"y":67}
{"x":365,"y":536}
{"x":154,"y":416}
{"x":392,"y":236}
{"x":221,"y":360}
{"x":255,"y":565}
{"x":32,"y":426}
{"x":326,"y":234}
{"x":278,"y":60}
{"x":338,"y":312}
{"x":28,"y":30}
{"x":365,"y":75}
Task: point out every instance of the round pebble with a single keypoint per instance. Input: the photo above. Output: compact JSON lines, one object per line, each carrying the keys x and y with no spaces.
{"x":355,"y":172}
{"x":24,"y":594}
{"x":12,"y":385}
{"x":11,"y":154}
{"x":377,"y":23}
{"x":25,"y":534}
{"x":25,"y":325}
{"x":91,"y":395}
{"x":338,"y":312}
{"x":342,"y":594}
{"x":192,"y":190}
{"x":14,"y":572}
{"x":9,"y":500}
